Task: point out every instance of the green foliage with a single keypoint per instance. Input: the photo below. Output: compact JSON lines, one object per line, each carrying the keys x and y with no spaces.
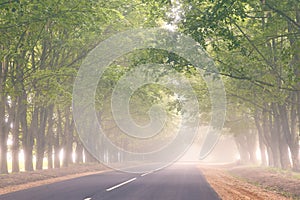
{"x":255,"y":46}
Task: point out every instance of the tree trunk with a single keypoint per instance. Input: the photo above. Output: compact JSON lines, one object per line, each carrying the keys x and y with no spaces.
{"x":40,"y":138}
{"x":272,"y":138}
{"x":295,"y":150}
{"x":15,"y":135}
{"x":3,"y":138}
{"x":270,"y":157}
{"x":295,"y":110}
{"x":275,"y":127}
{"x":242,"y":148}
{"x":28,"y":139}
{"x":294,"y":146}
{"x":88,"y":157}
{"x":3,"y":124}
{"x":57,"y":153}
{"x":261,"y":141}
{"x":79,"y":152}
{"x":57,"y":148}
{"x":50,"y":137}
{"x":295,"y":157}
{"x":286,"y":139}
{"x":68,"y":142}
{"x":251,"y":138}
{"x":33,"y":129}
{"x":284,"y":155}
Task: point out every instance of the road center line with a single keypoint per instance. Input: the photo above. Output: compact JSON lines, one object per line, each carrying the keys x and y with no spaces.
{"x":119,"y":185}
{"x":146,"y":174}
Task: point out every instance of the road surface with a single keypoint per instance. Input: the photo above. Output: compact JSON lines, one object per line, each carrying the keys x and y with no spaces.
{"x":177,"y":182}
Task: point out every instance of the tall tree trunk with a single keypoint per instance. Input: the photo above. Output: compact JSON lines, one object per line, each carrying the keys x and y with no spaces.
{"x":286,"y":137}
{"x":57,"y":147}
{"x":3,"y":123}
{"x":3,"y":138}
{"x":295,"y":110}
{"x":40,"y":138}
{"x":241,"y":143}
{"x":270,"y":157}
{"x":28,"y":139}
{"x":295,"y":157}
{"x":275,"y":136}
{"x":88,"y":157}
{"x":50,"y":137}
{"x":71,"y":139}
{"x":79,"y":152}
{"x":15,"y":135}
{"x":272,"y":138}
{"x":68,"y":139}
{"x":261,"y":141}
{"x":284,"y":155}
{"x":266,"y":127}
{"x":252,"y":145}
{"x":18,"y":103}
{"x":294,"y":137}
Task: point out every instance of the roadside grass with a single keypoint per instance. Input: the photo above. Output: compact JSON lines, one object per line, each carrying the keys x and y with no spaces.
{"x":284,"y":172}
{"x":273,"y":188}
{"x":279,"y":189}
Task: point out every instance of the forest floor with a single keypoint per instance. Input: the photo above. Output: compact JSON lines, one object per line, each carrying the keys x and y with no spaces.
{"x":229,"y":181}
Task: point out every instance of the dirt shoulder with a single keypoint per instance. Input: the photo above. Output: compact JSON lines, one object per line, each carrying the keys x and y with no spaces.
{"x":284,"y":182}
{"x":23,"y":180}
{"x":238,"y":182}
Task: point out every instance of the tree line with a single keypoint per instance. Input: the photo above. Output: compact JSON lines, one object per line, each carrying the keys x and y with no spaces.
{"x":42,"y":44}
{"x":255,"y":45}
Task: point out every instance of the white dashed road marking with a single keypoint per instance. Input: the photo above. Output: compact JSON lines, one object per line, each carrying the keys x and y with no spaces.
{"x":121,"y":184}
{"x":146,"y":174}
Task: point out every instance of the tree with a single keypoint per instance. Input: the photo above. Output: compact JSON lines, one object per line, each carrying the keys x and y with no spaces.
{"x":256,"y":43}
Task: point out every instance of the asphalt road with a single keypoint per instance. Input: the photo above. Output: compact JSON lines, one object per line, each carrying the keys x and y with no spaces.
{"x":177,"y":182}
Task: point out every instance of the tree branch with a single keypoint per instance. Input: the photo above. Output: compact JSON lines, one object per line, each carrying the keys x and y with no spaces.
{"x":282,"y":14}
